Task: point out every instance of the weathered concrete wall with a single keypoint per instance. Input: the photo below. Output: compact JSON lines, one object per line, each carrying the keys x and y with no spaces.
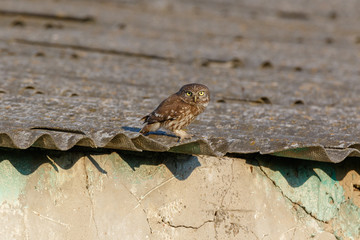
{"x":127,"y":195}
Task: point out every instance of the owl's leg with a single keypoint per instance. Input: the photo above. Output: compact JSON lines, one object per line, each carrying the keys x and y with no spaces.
{"x":150,"y":128}
{"x":182,"y":134}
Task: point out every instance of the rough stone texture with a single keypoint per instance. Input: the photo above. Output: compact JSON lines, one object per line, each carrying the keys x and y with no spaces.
{"x":129,"y":195}
{"x":283,"y":76}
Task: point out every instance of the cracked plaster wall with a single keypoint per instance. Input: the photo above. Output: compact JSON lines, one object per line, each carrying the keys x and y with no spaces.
{"x":127,"y":195}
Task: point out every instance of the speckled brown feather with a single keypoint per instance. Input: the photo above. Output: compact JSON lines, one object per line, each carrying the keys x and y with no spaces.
{"x":163,"y":111}
{"x":177,"y":111}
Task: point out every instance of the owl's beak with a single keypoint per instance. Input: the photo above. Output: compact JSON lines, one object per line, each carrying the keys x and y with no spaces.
{"x":194,"y":98}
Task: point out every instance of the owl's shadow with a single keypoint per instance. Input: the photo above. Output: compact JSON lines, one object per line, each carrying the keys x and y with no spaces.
{"x":159,"y":132}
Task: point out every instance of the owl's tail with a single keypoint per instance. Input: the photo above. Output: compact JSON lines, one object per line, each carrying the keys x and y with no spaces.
{"x":145,"y":118}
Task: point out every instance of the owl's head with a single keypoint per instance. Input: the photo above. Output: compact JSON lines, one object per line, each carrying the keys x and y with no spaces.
{"x":195,"y":94}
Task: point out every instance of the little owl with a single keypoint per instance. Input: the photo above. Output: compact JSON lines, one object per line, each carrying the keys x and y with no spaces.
{"x":178,"y":110}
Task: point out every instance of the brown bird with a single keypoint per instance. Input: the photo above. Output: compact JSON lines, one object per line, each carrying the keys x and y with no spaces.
{"x":178,"y":110}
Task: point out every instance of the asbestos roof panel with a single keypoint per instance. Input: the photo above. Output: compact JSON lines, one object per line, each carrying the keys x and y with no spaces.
{"x":283,"y":81}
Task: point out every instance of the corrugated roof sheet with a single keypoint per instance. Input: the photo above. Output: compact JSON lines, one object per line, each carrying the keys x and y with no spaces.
{"x":284,"y":77}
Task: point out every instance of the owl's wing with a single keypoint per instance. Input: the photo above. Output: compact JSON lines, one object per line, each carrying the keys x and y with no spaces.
{"x":167,"y":110}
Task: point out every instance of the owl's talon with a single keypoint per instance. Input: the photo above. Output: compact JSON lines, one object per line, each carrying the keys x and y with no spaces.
{"x":182,"y":135}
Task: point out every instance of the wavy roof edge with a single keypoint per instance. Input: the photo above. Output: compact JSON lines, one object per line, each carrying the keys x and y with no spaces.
{"x":140,"y":143}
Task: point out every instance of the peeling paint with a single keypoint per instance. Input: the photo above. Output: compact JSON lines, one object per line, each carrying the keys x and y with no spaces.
{"x":12,"y":183}
{"x":349,"y":220}
{"x":313,"y":186}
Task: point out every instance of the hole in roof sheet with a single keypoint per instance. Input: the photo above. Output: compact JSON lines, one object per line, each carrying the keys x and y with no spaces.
{"x":329,"y":40}
{"x":53,"y":26}
{"x":264,"y":100}
{"x":121,"y":26}
{"x":75,"y":56}
{"x":40,"y":54}
{"x":298,"y":69}
{"x":333,"y":15}
{"x":18,"y":23}
{"x":292,"y":15}
{"x":298,"y":102}
{"x":69,"y":93}
{"x":29,"y":87}
{"x":266,"y":64}
{"x":238,"y":38}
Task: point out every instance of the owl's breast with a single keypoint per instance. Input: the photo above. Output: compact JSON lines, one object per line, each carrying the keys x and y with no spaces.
{"x":204,"y":105}
{"x":200,"y":108}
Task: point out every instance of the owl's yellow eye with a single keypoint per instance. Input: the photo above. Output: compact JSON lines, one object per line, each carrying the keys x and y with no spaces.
{"x":201,"y":93}
{"x":188,"y":93}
